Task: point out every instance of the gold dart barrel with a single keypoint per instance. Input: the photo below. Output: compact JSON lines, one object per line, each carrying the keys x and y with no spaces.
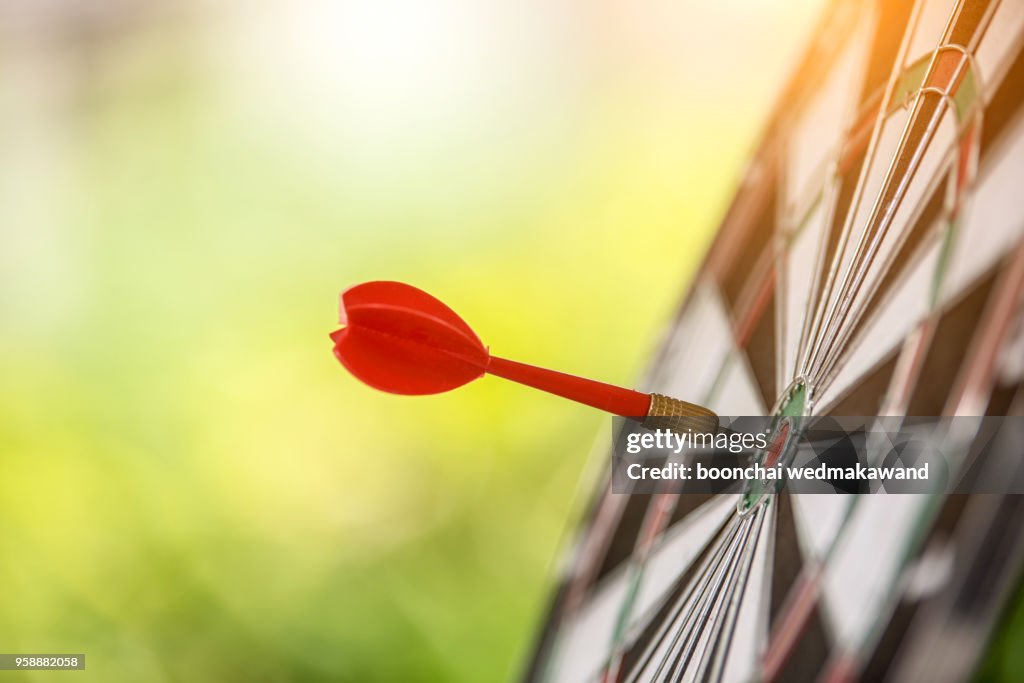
{"x":679,"y":416}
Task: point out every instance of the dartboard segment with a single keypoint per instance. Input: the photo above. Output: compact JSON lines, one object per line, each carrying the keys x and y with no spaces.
{"x":817,"y":147}
{"x":901,"y":286}
{"x":867,"y":266}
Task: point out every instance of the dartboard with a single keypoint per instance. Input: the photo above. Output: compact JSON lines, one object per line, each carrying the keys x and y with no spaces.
{"x":872,"y":264}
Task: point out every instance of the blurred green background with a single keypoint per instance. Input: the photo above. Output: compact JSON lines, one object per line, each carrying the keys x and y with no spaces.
{"x":191,"y":488}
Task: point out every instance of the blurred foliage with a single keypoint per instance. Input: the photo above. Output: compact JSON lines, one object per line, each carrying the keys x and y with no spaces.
{"x":193,"y":489}
{"x":1005,"y":658}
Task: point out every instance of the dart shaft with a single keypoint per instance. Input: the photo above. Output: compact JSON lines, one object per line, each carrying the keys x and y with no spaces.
{"x":654,"y":410}
{"x":607,"y":397}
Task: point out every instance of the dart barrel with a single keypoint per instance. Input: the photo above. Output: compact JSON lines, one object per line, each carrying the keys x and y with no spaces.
{"x":679,"y":416}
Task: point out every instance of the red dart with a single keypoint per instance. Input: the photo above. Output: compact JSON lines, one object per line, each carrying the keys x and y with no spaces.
{"x":399,"y":339}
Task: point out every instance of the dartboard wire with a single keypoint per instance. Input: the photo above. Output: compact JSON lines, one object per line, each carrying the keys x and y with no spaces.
{"x":864,"y":252}
{"x":857,"y":304}
{"x":652,"y":529}
{"x":979,"y":371}
{"x":1005,"y":64}
{"x":824,"y":376}
{"x":958,"y":195}
{"x":781,"y":273}
{"x":830,"y":37}
{"x":730,"y":594}
{"x":860,"y":261}
{"x":686,"y":639}
{"x":966,"y":175}
{"x":656,"y":516}
{"x":709,"y":564}
{"x":802,"y":600}
{"x":592,"y":545}
{"x":585,"y":561}
{"x":854,"y":139}
{"x":827,"y":303}
{"x":653,"y":525}
{"x":583,"y":565}
{"x":846,"y":229}
{"x":841,"y":533}
{"x":944,"y":641}
{"x":793,"y":216}
{"x":715,"y":613}
{"x":652,"y":532}
{"x":962,"y":160}
{"x":696,"y":593}
{"x":911,"y":351}
{"x":757,"y":180}
{"x":842,"y":324}
{"x":828,"y":198}
{"x":594,"y":542}
{"x":857,"y":138}
{"x":975,"y":73}
{"x":866,"y":111}
{"x":769,"y":519}
{"x":849,"y":658}
{"x":897,"y":248}
{"x":751,"y":302}
{"x":897,"y":75}
{"x":779,"y":243}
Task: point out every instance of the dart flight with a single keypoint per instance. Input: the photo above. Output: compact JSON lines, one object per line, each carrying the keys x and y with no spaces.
{"x":399,"y":339}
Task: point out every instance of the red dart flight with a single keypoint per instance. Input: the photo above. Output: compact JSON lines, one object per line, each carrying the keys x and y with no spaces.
{"x":399,"y":339}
